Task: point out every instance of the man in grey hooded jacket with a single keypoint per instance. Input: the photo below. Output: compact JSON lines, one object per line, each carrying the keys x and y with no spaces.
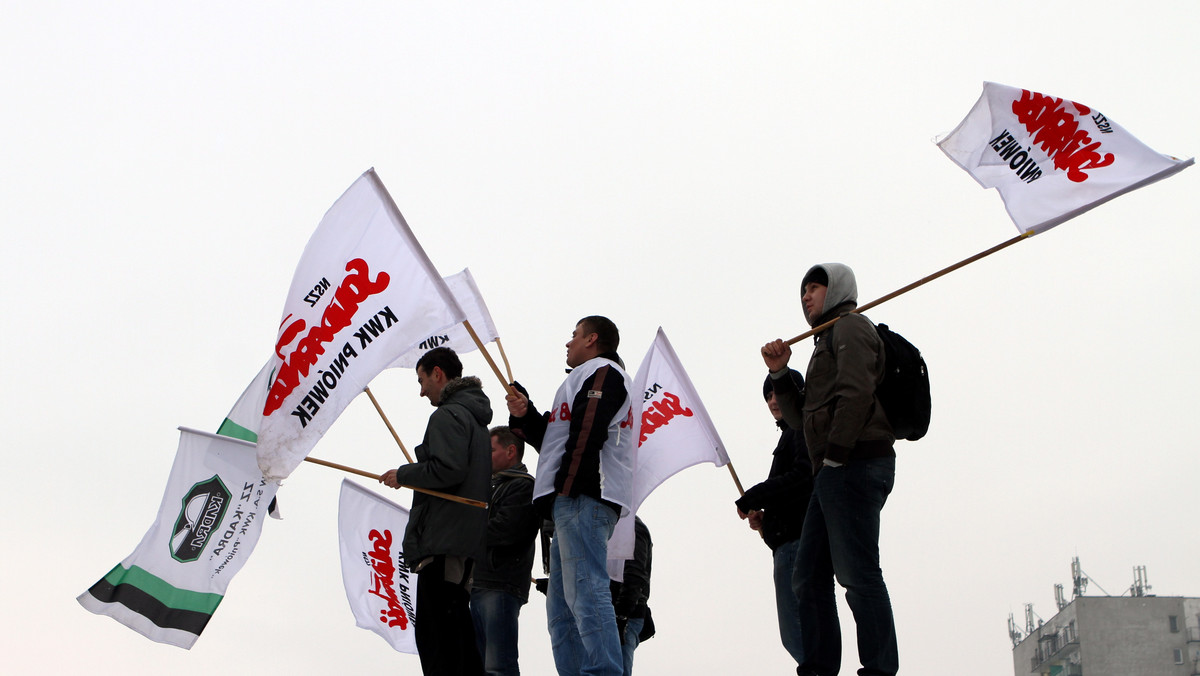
{"x":850,"y":445}
{"x":445,"y":538}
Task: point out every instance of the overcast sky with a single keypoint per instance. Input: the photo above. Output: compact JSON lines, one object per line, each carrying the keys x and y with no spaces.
{"x":666,"y":164}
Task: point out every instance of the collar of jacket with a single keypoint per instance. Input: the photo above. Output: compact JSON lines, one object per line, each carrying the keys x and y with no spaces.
{"x":839,"y":311}
{"x":611,"y":356}
{"x":458,"y":385}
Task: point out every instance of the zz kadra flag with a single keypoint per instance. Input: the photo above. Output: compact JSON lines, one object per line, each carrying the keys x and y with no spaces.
{"x":209,"y":521}
{"x":674,"y":432}
{"x":456,"y":336}
{"x":1049,"y":158}
{"x":363,"y":293}
{"x":381,"y":589}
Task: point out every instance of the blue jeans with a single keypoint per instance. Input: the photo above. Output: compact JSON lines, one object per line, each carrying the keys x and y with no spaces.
{"x":632,"y":628}
{"x":787,"y":606}
{"x":841,"y":538}
{"x":495,"y":613}
{"x":579,"y":609}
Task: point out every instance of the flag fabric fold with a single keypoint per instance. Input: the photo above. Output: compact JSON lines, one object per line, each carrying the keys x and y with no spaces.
{"x":363,"y":293}
{"x":1051,"y":159}
{"x":456,"y":337}
{"x":208,"y":523}
{"x":380,"y":588}
{"x":674,"y":432}
{"x":245,"y":417}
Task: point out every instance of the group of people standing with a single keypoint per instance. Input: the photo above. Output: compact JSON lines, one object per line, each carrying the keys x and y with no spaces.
{"x":474,"y":569}
{"x":818,"y":510}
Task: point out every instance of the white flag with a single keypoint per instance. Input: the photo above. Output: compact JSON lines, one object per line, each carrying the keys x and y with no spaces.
{"x":456,"y":337}
{"x":1050,"y":159}
{"x":364,"y":292}
{"x":381,"y":589}
{"x":208,"y":524}
{"x":674,"y":432}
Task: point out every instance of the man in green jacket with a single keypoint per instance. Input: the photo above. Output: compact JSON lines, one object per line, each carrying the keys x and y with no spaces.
{"x":850,"y":445}
{"x":444,"y":538}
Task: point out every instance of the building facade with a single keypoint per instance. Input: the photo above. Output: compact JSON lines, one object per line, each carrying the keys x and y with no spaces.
{"x":1115,"y":636}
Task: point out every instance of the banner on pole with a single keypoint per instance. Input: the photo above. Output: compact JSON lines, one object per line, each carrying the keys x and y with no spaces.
{"x":380,"y":588}
{"x":208,"y":523}
{"x":1050,"y":159}
{"x":363,"y":293}
{"x":674,"y":432}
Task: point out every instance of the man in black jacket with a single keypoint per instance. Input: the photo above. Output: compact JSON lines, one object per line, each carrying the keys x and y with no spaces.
{"x":501,"y":583}
{"x":444,"y":538}
{"x":776,"y":507}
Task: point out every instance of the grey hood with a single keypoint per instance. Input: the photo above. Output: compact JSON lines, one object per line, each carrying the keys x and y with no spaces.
{"x":842,"y":289}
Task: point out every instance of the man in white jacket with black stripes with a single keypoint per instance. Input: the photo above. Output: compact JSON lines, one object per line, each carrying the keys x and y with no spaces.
{"x":584,"y":484}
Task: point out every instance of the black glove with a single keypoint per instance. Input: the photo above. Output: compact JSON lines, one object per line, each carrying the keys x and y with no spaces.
{"x":541,"y":584}
{"x":622,"y":622}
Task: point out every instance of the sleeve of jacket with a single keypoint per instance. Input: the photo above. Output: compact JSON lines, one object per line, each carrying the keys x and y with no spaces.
{"x":599,"y":400}
{"x":532,"y":425}
{"x":857,"y":351}
{"x":447,"y":454}
{"x":512,"y":519}
{"x":779,"y":489}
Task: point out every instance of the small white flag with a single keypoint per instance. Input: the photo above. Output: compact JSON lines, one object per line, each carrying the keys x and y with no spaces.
{"x":1051,"y":159}
{"x":674,"y":432}
{"x":381,"y":589}
{"x":456,"y":337}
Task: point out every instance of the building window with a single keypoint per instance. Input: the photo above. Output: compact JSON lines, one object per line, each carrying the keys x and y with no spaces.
{"x":1178,"y":656}
{"x":1174,"y":620}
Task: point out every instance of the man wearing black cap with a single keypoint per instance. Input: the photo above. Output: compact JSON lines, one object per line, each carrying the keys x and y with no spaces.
{"x":776,"y":507}
{"x":850,"y":445}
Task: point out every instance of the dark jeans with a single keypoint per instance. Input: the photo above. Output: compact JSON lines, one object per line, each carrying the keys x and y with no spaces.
{"x":496,"y":614}
{"x":444,"y":630}
{"x":841,"y":538}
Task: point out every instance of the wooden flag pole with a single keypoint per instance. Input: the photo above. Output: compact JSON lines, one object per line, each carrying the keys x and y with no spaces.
{"x":436,"y":494}
{"x":495,"y":369}
{"x":920,"y":282}
{"x":389,"y":424}
{"x":507,"y":367}
{"x":736,"y":481}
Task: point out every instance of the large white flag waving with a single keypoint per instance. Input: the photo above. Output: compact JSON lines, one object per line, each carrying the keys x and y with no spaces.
{"x":1050,"y":159}
{"x":674,"y":432}
{"x":364,"y":292}
{"x":456,"y":337}
{"x":381,"y":589}
{"x":208,"y":523}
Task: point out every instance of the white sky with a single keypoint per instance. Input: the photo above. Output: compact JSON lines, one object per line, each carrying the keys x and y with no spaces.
{"x":677,"y":164}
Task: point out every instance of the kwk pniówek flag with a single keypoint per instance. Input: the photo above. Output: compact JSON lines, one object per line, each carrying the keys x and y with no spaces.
{"x":208,"y":523}
{"x":456,"y":337}
{"x":1050,"y":159}
{"x":364,"y":293}
{"x":381,"y":589}
{"x":674,"y":432}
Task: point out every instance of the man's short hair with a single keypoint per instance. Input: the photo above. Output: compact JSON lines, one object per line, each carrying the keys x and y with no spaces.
{"x":443,"y":358}
{"x":607,"y":335}
{"x":506,"y":438}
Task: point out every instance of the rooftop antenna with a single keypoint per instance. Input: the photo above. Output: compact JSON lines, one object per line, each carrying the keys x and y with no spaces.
{"x":1014,"y":634}
{"x":1059,"y":597}
{"x":1079,"y":581}
{"x":1029,"y":626}
{"x":1140,"y":582}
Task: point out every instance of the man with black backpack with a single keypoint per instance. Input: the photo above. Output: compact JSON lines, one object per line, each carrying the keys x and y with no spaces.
{"x":850,"y":445}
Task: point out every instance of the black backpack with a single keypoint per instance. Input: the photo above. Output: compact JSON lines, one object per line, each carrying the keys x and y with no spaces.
{"x":904,"y":392}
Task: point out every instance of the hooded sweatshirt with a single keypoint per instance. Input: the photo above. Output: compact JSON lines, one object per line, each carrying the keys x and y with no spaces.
{"x":840,"y":414}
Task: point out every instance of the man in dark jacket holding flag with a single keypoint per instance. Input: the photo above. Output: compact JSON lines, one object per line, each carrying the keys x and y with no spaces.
{"x":444,"y":538}
{"x":776,"y":508}
{"x":850,"y":446}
